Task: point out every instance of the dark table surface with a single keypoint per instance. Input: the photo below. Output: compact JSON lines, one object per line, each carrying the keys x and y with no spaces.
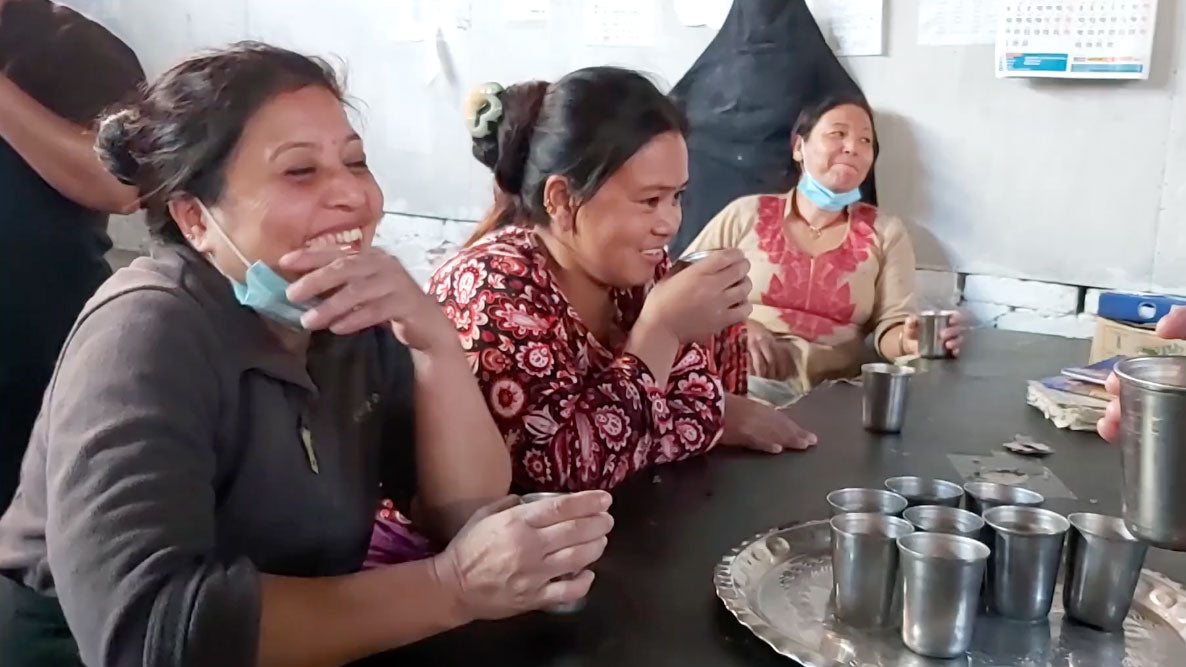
{"x":653,"y":602}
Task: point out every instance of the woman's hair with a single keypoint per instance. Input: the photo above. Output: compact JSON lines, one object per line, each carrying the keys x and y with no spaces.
{"x":584,"y":127}
{"x":177,"y":136}
{"x":811,"y":114}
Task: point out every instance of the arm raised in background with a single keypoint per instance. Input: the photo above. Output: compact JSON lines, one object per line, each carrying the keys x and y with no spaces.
{"x":61,"y":152}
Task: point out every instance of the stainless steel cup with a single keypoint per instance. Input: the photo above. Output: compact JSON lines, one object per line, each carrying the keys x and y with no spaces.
{"x":688,"y":260}
{"x":870,"y":501}
{"x":1023,"y":567}
{"x":979,"y":497}
{"x":564,"y":607}
{"x":1104,"y":562}
{"x":885,"y":391}
{"x":941,"y":576}
{"x":947,"y":520}
{"x":1153,"y":448}
{"x":931,"y":324}
{"x":926,"y":491}
{"x":865,"y":567}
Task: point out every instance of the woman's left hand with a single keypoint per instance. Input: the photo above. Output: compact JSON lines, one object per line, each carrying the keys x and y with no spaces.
{"x":952,"y":335}
{"x":758,"y":426}
{"x":363,"y":289}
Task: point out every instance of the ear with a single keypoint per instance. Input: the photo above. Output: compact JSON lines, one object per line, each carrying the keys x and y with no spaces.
{"x":797,"y":148}
{"x":188,"y":216}
{"x":558,"y":202}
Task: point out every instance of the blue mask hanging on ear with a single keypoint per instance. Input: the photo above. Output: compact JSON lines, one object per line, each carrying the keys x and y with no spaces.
{"x":262,"y":289}
{"x":820,"y":195}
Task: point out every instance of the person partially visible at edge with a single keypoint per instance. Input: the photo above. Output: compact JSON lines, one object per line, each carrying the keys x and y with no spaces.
{"x":203,"y":477}
{"x":588,"y":353}
{"x":1172,"y":326}
{"x":827,"y":271}
{"x":58,"y":70}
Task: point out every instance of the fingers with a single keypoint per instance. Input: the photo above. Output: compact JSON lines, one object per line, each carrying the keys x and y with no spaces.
{"x":953,"y":339}
{"x":956,"y":320}
{"x":911,"y":330}
{"x":757,"y":362}
{"x":799,"y":438}
{"x":574,"y":558}
{"x":571,"y":506}
{"x":1109,"y":426}
{"x":736,"y":314}
{"x":566,"y":590}
{"x":304,"y":260}
{"x":578,"y":531}
{"x":355,"y":296}
{"x":1173,"y":325}
{"x":763,"y":445}
{"x":1112,"y":384}
{"x":784,"y":362}
{"x":738,"y":293}
{"x":504,"y":503}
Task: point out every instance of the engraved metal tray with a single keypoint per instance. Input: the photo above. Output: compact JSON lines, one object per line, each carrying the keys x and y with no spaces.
{"x":778,"y":585}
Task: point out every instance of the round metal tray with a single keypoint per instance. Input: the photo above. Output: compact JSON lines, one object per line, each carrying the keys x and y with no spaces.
{"x":778,"y":585}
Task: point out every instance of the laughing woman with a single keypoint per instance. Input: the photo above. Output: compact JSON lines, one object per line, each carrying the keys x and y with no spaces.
{"x":828,"y":272}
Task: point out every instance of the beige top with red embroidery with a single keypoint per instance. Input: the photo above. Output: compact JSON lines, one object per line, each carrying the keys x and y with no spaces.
{"x":824,"y":301}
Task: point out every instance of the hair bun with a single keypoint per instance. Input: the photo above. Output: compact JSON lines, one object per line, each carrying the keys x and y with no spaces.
{"x":113,"y":143}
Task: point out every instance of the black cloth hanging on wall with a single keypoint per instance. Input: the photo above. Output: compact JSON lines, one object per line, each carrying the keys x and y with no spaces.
{"x":742,"y":96}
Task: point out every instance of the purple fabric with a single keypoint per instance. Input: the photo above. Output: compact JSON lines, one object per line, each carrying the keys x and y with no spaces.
{"x":393,"y":540}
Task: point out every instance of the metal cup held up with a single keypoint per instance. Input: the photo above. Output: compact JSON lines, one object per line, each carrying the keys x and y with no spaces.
{"x":946,"y":520}
{"x":1023,"y":567}
{"x":1153,"y":448}
{"x":865,"y":567}
{"x":926,"y":491}
{"x":931,"y":324}
{"x":1103,"y":565}
{"x":563,"y":607}
{"x":941,"y":576}
{"x":885,"y":390}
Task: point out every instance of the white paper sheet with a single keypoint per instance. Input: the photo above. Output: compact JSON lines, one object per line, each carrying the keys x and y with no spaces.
{"x":620,"y":22}
{"x":957,"y":22}
{"x":1076,"y":39}
{"x":707,"y":13}
{"x":518,"y":11}
{"x":851,"y":27}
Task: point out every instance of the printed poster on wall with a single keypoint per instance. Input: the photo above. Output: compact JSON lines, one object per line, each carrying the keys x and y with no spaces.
{"x":1075,"y":39}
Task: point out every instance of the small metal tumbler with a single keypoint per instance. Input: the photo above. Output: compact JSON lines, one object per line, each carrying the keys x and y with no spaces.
{"x":1104,"y":562}
{"x":885,"y":391}
{"x":865,"y":501}
{"x":1023,"y":567}
{"x":563,"y":607}
{"x":865,"y":567}
{"x":941,"y":576}
{"x":947,"y":520}
{"x":926,"y":491}
{"x":979,"y":497}
{"x":931,"y":324}
{"x":1153,"y":448}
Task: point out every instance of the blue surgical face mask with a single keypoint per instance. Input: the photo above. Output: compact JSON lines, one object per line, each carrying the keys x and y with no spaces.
{"x":820,"y":195}
{"x":262,"y":289}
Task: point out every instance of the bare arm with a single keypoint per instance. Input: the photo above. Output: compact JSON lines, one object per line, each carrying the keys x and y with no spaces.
{"x":61,"y":152}
{"x":462,"y":462}
{"x":335,"y":620}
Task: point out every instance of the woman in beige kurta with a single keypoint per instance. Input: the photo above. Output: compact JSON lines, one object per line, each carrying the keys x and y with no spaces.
{"x":830,"y":275}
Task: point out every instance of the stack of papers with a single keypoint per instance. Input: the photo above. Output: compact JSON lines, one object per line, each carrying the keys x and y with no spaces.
{"x":1075,"y":399}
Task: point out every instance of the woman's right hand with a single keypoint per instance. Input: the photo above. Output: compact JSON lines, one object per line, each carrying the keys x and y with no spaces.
{"x":768,"y":357}
{"x":1172,"y":326}
{"x":703,"y":299}
{"x":509,"y":556}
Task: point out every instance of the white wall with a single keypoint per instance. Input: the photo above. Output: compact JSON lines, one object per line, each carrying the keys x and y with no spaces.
{"x":1073,"y":182}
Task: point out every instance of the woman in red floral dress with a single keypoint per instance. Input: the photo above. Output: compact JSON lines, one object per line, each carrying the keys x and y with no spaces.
{"x":590,"y":359}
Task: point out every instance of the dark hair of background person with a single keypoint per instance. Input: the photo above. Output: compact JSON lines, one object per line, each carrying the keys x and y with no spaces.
{"x":178,"y":136}
{"x":584,"y":127}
